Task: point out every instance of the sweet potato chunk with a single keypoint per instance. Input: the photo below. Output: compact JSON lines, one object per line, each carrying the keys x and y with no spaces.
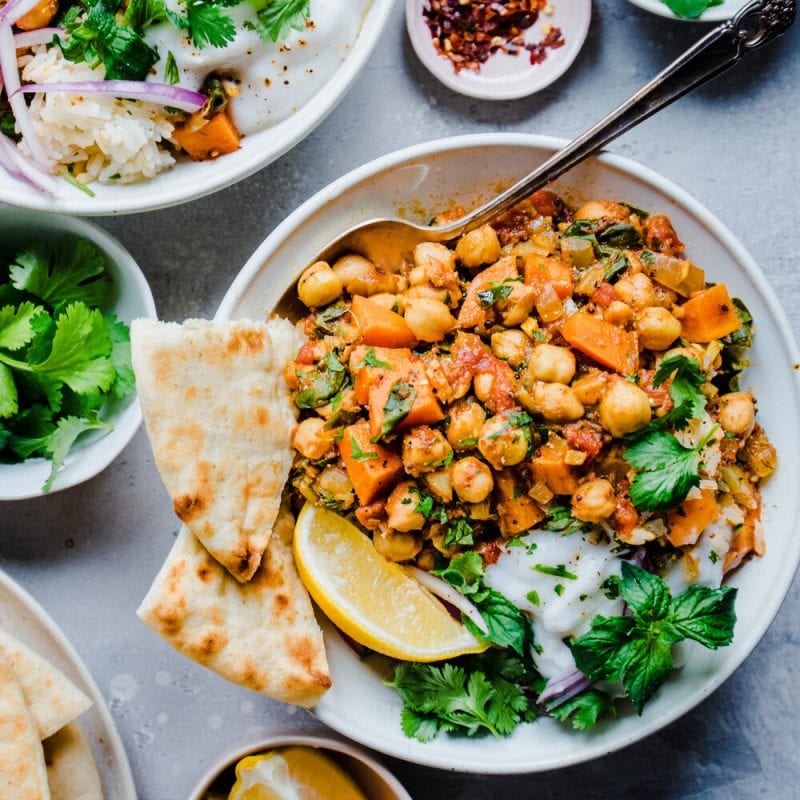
{"x":216,"y":138}
{"x":372,"y":468}
{"x":603,"y":342}
{"x":380,"y":326}
{"x":710,"y":314}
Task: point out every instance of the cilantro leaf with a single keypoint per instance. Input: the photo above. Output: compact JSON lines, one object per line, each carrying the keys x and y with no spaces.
{"x":141,"y":14}
{"x":279,"y":17}
{"x":15,"y":325}
{"x":62,"y":439}
{"x":419,"y":726}
{"x":31,"y":431}
{"x":171,"y":73}
{"x":687,"y":378}
{"x":459,"y":531}
{"x":124,"y":382}
{"x":9,"y":399}
{"x":561,"y":521}
{"x":496,"y":291}
{"x":585,"y":710}
{"x":73,"y":270}
{"x":208,"y":24}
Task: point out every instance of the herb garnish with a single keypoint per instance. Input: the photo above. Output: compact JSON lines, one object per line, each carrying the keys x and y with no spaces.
{"x":690,"y":9}
{"x":585,"y":710}
{"x":357,"y":454}
{"x":496,"y":291}
{"x":371,"y":360}
{"x":278,"y":17}
{"x":559,"y":571}
{"x":398,"y":406}
{"x":459,"y":531}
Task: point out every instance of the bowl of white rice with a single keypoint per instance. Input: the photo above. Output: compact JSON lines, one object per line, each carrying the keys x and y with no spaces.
{"x":100,"y":152}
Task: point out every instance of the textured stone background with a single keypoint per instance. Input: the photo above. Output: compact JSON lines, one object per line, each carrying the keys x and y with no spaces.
{"x":733,"y":145}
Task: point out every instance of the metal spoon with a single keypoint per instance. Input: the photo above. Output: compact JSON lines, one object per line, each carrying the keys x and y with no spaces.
{"x":754,"y":26}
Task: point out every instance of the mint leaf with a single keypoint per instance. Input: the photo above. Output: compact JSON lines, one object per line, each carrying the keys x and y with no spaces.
{"x":585,"y":710}
{"x":644,"y":663}
{"x":16,"y":329}
{"x":690,"y":9}
{"x":595,"y":653}
{"x":646,"y":594}
{"x":705,"y":615}
{"x":62,"y":439}
{"x":141,"y":14}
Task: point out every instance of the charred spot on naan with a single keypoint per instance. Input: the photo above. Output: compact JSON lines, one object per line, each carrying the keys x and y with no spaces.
{"x":205,"y":647}
{"x":187,"y":506}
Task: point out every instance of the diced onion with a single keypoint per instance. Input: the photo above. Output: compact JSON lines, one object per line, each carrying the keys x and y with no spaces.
{"x":446,"y":592}
{"x":161,"y":93}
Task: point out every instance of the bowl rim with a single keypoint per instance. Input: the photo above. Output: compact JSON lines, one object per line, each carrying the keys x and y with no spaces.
{"x":101,"y":457}
{"x":713,"y":14}
{"x":271,"y":739}
{"x":312,"y":114}
{"x":747,"y":639}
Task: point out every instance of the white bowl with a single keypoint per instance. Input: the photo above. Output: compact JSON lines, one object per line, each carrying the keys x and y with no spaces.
{"x":191,"y":180}
{"x":372,"y":777}
{"x":505,"y":77}
{"x":431,"y":177}
{"x":96,"y":450}
{"x":713,"y":14}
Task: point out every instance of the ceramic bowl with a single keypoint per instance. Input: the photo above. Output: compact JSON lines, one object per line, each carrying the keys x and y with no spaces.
{"x":506,"y":77}
{"x":714,"y":14}
{"x":372,"y":778}
{"x":132,"y":298}
{"x":430,"y":177}
{"x":190,"y":180}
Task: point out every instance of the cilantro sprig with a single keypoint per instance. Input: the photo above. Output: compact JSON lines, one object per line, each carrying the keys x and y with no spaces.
{"x":61,"y":358}
{"x":585,"y":710}
{"x":636,"y":650}
{"x":279,"y":17}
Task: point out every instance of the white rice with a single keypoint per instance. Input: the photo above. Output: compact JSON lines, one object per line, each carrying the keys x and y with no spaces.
{"x":103,"y":138}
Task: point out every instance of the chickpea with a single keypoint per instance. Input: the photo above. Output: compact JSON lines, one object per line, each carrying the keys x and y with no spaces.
{"x":478,"y":247}
{"x":319,"y":285}
{"x":514,"y":347}
{"x":429,"y":320}
{"x":424,"y":450}
{"x":360,"y":276}
{"x":636,"y":290}
{"x":503,"y":443}
{"x":551,"y":364}
{"x":482,"y":385}
{"x":387,"y":300}
{"x":594,"y":501}
{"x":424,"y":292}
{"x":437,"y":263}
{"x":589,"y":388}
{"x":618,"y":313}
{"x":737,"y":412}
{"x":657,"y":328}
{"x":556,"y":402}
{"x":440,"y":484}
{"x":603,"y":209}
{"x":516,"y":308}
{"x":401,"y":505}
{"x":396,"y":545}
{"x":310,"y":438}
{"x":624,"y":408}
{"x":333,"y":484}
{"x":472,"y":480}
{"x":466,"y":420}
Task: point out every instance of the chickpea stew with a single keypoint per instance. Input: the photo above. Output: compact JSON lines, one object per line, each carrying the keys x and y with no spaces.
{"x":547,"y":417}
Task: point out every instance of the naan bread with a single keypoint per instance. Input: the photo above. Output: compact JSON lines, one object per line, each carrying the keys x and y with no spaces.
{"x":52,"y":698}
{"x":261,"y":634}
{"x":220,"y":419}
{"x":22,"y":771}
{"x":71,"y":771}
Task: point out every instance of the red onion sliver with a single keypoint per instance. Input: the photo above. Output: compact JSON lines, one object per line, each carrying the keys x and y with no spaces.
{"x":161,"y":93}
{"x":563,"y":688}
{"x":17,"y":166}
{"x":14,"y":10}
{"x":10,"y":72}
{"x":39,"y":36}
{"x":446,"y":592}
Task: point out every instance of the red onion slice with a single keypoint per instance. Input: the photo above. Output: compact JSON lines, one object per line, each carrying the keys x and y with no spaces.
{"x":161,"y":93}
{"x":10,"y":72}
{"x":14,"y":10}
{"x":446,"y":592}
{"x":39,"y":36}
{"x":18,"y":167}
{"x":563,"y":688}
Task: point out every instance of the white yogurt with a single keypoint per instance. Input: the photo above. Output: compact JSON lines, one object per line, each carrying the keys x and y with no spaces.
{"x":276,"y":78}
{"x":557,"y":615}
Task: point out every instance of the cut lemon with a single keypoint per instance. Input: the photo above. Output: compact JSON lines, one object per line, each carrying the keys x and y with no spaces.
{"x":372,"y":600}
{"x":292,"y":773}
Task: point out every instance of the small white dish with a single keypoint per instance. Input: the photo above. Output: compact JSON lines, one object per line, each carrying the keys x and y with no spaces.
{"x":506,"y":77}
{"x":470,"y":169}
{"x":24,"y":618}
{"x":714,"y":14}
{"x":96,"y":450}
{"x":372,"y":778}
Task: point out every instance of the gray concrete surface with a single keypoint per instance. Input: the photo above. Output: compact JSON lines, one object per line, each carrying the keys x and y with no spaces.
{"x":733,"y":145}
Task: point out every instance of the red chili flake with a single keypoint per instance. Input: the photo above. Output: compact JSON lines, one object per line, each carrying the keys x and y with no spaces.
{"x":468,"y":32}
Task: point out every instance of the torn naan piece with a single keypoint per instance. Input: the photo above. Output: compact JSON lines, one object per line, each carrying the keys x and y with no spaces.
{"x":71,"y":771}
{"x":52,"y":698}
{"x":23,"y":775}
{"x":261,"y":634}
{"x":220,"y":420}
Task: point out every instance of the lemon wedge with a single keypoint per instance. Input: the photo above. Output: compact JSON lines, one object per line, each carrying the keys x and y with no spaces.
{"x":374,"y":601}
{"x":293,"y":773}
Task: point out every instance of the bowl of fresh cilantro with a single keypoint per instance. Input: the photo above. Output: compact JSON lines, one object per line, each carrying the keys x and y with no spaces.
{"x":67,"y":393}
{"x":693,"y":10}
{"x":577,"y":665}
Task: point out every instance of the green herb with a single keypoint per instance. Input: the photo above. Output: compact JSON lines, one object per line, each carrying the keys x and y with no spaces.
{"x":516,"y":419}
{"x":141,"y":14}
{"x":638,"y":211}
{"x":398,"y":406}
{"x":585,"y":710}
{"x":561,"y":521}
{"x":559,"y":572}
{"x":688,"y":400}
{"x":279,"y":17}
{"x":324,"y":385}
{"x":533,"y":597}
{"x":559,"y":589}
{"x":637,"y":650}
{"x":470,"y":441}
{"x":690,"y":9}
{"x":734,"y":350}
{"x":458,"y":532}
{"x":610,"y":587}
{"x":647,"y":257}
{"x":665,"y":470}
{"x":614,"y":261}
{"x":8,"y":125}
{"x":370,"y":360}
{"x":442,"y":462}
{"x":60,"y":357}
{"x":496,"y":291}
{"x":357,"y":454}
{"x":171,"y":73}
{"x":622,"y":234}
{"x":324,"y":321}
{"x":581,"y":228}
{"x":425,"y":504}
{"x":66,"y":173}
{"x":95,"y":36}
{"x":207,"y":23}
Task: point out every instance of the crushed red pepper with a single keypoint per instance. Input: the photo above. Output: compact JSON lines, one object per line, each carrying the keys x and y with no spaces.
{"x":468,"y":32}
